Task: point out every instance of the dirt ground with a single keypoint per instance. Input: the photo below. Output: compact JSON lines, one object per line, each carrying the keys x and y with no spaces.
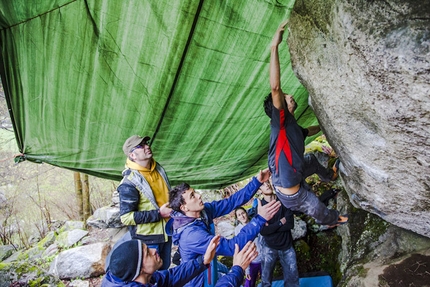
{"x":411,"y":272}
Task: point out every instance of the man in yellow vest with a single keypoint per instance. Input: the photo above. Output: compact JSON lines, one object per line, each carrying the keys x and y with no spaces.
{"x":144,"y":194}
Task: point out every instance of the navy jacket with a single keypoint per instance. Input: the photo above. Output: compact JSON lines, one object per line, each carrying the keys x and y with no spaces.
{"x":277,"y":235}
{"x":177,"y":276}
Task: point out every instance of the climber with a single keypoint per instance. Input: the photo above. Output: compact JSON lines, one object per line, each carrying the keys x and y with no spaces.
{"x":286,"y":150}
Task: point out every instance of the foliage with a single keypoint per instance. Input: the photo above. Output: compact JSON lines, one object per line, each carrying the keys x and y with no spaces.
{"x":361,"y":271}
{"x":30,"y":273}
{"x":30,"y":265}
{"x":34,"y":197}
{"x":318,"y":252}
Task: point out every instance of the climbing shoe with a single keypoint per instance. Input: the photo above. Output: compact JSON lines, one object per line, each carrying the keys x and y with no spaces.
{"x":343,"y":219}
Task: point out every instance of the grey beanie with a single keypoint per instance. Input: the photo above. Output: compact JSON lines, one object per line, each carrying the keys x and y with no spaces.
{"x":126,"y":260}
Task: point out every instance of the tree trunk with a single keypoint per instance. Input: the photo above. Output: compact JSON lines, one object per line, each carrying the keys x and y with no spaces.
{"x":86,"y":198}
{"x":78,"y":190}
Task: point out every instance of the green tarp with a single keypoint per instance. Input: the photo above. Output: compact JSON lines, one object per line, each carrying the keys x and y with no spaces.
{"x":82,"y":76}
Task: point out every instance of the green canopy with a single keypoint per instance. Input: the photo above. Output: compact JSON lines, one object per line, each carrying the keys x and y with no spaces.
{"x":82,"y":76}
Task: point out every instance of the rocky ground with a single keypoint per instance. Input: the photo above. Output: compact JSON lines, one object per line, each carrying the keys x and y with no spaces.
{"x":411,"y":271}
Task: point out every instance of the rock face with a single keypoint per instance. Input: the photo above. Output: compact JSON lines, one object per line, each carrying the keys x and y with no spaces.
{"x":376,"y":253}
{"x":366,"y":65}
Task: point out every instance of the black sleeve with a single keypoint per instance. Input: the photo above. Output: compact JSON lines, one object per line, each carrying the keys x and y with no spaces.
{"x":129,"y":198}
{"x":271,"y":228}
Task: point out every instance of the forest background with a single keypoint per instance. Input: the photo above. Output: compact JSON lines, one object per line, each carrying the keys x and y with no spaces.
{"x":35,"y":198}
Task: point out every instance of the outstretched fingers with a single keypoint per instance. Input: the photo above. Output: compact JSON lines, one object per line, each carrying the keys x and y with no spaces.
{"x":283,"y":25}
{"x":269,"y":210}
{"x":264,"y":175}
{"x":211,"y":249}
{"x":274,"y":207}
{"x":250,"y":251}
{"x":244,"y":257}
{"x":277,"y":38}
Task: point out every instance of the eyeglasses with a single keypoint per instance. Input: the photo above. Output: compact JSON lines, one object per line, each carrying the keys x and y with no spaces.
{"x":141,"y":145}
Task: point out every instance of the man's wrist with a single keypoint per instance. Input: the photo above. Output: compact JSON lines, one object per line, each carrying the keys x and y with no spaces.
{"x":258,"y":180}
{"x":241,"y":268}
{"x":201,"y":260}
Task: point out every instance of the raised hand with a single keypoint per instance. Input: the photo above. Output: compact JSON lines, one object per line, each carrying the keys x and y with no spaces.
{"x":269,"y":210}
{"x":264,"y":175}
{"x":165,"y":210}
{"x":245,"y":256}
{"x":277,"y":39}
{"x":210,"y":251}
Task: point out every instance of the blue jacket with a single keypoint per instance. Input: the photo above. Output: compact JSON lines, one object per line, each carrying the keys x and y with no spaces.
{"x":194,"y":234}
{"x":176,"y":276}
{"x":233,"y":279}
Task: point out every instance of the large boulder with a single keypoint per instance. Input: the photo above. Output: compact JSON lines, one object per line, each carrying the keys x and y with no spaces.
{"x":366,"y":65}
{"x":69,"y":238}
{"x":81,"y":262}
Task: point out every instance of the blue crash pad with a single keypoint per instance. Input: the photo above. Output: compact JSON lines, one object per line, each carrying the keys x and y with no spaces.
{"x":316,"y":281}
{"x":320,"y":281}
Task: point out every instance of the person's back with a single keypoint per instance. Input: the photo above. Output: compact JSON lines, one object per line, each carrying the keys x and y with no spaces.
{"x":110,"y":280}
{"x":286,"y":149}
{"x":134,"y":264}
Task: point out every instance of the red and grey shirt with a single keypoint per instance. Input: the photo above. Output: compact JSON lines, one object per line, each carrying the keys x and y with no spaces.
{"x":286,"y":149}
